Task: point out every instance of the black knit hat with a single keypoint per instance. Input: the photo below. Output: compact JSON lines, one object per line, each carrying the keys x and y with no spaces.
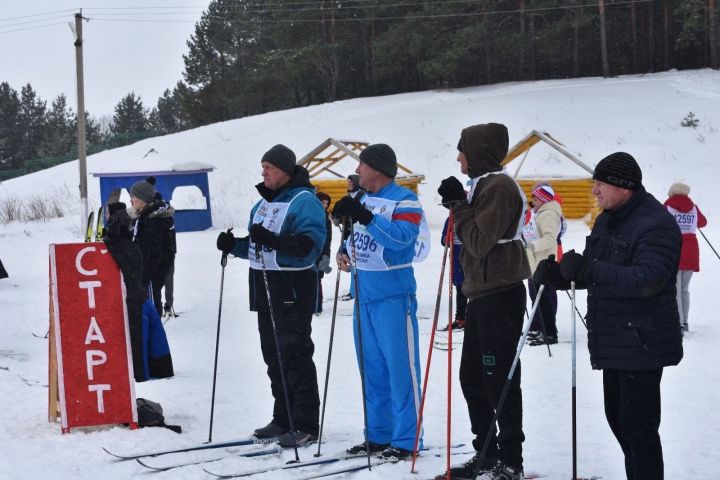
{"x":619,"y":169}
{"x":116,"y":207}
{"x":380,"y":157}
{"x":323,"y":196}
{"x":355,"y":180}
{"x":281,"y":157}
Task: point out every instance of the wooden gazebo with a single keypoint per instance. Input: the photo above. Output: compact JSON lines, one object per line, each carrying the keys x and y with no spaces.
{"x":576,"y":193}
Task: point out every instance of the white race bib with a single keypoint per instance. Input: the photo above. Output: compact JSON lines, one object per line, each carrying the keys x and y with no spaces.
{"x":687,"y":221}
{"x":270,"y":215}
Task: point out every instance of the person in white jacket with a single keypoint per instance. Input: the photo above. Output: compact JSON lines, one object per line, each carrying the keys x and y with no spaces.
{"x":543,"y":228}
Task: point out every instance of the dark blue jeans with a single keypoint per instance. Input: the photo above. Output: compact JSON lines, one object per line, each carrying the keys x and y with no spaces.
{"x":546,"y":310}
{"x":632,"y":409}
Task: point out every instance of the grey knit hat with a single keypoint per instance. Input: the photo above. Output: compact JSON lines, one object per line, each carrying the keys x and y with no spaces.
{"x":143,"y":190}
{"x":281,"y":157}
{"x":380,"y":157}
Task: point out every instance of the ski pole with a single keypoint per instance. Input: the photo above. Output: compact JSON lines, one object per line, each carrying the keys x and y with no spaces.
{"x":506,"y":387}
{"x":448,"y":434}
{"x":574,"y":408}
{"x":277,"y":349}
{"x":531,"y":286}
{"x":709,"y":244}
{"x":330,"y":347}
{"x":572,"y":300}
{"x":360,"y":342}
{"x":436,"y":316}
{"x":223,"y":264}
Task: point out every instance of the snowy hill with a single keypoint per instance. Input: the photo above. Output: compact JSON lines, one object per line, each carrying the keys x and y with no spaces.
{"x":591,"y":117}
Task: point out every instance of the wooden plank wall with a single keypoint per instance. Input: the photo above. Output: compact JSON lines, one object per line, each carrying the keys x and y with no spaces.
{"x":577,"y":198}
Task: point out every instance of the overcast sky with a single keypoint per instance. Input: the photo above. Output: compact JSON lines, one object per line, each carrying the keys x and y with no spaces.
{"x":130,"y":45}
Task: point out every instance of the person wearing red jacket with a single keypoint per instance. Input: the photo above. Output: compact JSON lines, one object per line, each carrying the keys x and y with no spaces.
{"x":689,"y":219}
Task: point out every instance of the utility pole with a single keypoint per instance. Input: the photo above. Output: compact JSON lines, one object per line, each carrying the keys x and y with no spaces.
{"x":81,"y":119}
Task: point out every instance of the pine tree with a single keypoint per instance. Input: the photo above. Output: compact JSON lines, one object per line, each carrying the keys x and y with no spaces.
{"x":130,"y":118}
{"x":10,"y":132}
{"x":169,"y":115}
{"x":33,"y":125}
{"x":62,"y":135}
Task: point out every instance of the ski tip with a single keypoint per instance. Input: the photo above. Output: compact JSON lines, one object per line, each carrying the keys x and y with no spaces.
{"x":149,"y":466}
{"x":216,"y":475}
{"x":113,"y":454}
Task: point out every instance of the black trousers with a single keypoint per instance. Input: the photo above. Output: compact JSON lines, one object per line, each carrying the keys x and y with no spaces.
{"x":492,"y":330}
{"x":547,"y":310}
{"x":460,"y":303}
{"x":632,"y":409}
{"x":296,"y":347}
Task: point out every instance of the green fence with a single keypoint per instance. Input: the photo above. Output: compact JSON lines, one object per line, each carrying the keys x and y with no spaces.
{"x":35,"y":165}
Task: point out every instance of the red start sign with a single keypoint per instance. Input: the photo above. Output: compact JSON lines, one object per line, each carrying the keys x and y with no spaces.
{"x":91,"y":337}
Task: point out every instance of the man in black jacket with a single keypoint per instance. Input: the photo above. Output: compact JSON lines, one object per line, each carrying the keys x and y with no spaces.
{"x":628,"y":267}
{"x":152,"y":232}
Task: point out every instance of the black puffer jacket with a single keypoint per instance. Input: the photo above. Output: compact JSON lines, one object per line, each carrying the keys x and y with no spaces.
{"x":632,"y":310}
{"x":153,"y":233}
{"x":118,"y":239}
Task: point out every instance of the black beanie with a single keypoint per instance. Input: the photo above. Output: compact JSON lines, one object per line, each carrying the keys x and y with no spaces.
{"x":281,"y":157}
{"x":380,"y":157}
{"x":619,"y":169}
{"x":355,"y":180}
{"x":116,"y":207}
{"x":323,"y":196}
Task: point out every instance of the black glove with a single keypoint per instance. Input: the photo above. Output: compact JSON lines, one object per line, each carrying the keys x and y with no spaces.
{"x":261,"y":236}
{"x":547,"y":272}
{"x":573,"y":267}
{"x":452,"y":191}
{"x":226,"y":241}
{"x":352,"y":208}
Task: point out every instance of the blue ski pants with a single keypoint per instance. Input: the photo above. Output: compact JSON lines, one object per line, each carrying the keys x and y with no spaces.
{"x":391,"y":367}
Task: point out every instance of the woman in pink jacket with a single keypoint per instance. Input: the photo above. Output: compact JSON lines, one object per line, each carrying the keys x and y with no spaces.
{"x":689,"y":219}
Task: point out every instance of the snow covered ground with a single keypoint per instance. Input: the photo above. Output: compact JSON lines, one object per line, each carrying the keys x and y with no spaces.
{"x":592,"y":117}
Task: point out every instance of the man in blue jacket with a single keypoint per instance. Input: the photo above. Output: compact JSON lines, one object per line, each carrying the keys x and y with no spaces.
{"x":287,"y":232}
{"x":628,"y":267}
{"x":387,"y":223}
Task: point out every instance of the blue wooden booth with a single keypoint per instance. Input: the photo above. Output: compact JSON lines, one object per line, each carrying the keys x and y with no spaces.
{"x":186,"y":220}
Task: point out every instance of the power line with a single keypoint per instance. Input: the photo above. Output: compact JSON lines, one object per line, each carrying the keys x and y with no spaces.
{"x":7,"y":19}
{"x":34,"y":21}
{"x":32,"y":28}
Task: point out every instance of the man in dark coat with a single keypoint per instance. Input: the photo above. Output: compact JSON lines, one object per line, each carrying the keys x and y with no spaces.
{"x":152,"y":232}
{"x":286,"y":236}
{"x":628,"y":267}
{"x":118,"y":239}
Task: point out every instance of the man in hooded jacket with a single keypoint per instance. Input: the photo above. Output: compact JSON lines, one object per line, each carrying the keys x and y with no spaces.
{"x":287,"y":234}
{"x":488,"y":222}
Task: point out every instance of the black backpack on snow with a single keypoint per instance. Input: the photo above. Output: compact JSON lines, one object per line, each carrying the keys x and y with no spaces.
{"x":150,"y":414}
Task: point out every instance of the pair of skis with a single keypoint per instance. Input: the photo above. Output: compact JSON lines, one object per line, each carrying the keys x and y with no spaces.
{"x":96,"y":226}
